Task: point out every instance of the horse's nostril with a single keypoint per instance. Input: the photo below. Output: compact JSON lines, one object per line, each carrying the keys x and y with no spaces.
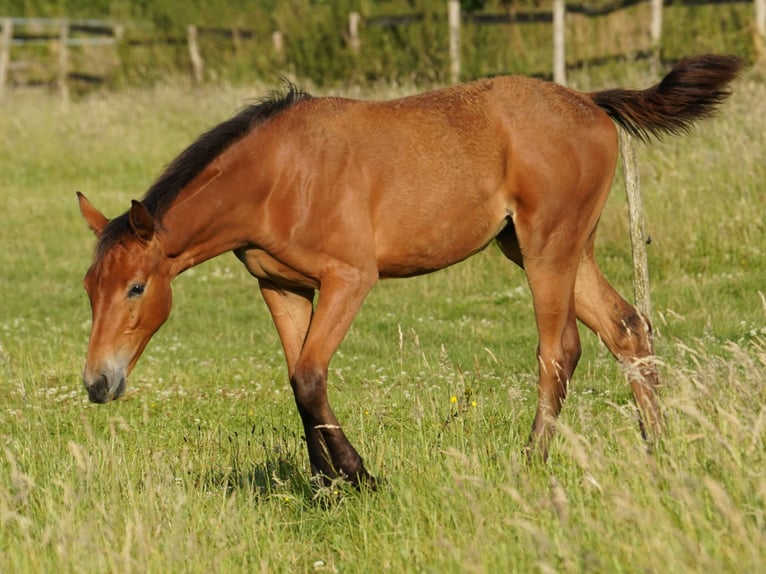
{"x":98,"y":391}
{"x":120,"y":390}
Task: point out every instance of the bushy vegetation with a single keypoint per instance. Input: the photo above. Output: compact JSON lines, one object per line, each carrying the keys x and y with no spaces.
{"x":316,"y":43}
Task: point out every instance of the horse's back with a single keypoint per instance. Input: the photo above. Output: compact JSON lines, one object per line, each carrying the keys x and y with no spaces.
{"x":453,"y":134}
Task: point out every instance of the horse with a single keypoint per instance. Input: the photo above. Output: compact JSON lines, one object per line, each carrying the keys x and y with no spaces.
{"x":321,"y":197}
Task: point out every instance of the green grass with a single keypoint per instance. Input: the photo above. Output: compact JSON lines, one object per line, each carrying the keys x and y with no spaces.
{"x":201,"y":467}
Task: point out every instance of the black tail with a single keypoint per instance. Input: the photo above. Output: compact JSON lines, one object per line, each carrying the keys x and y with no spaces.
{"x":693,"y":90}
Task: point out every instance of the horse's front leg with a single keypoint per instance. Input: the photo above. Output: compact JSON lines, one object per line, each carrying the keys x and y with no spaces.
{"x":331,"y":454}
{"x":309,"y":343}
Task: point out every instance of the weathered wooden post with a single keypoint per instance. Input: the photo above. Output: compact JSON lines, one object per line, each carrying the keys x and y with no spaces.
{"x":760,"y":29}
{"x":236,"y":40}
{"x":63,"y":75}
{"x":198,"y":65}
{"x":655,"y":33}
{"x":353,"y":31}
{"x":453,"y":17}
{"x":278,"y":41}
{"x":118,"y":31}
{"x":5,"y":51}
{"x":559,"y":42}
{"x":638,"y":240}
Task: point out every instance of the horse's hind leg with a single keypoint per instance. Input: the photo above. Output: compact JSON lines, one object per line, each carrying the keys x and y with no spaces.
{"x":626,"y":333}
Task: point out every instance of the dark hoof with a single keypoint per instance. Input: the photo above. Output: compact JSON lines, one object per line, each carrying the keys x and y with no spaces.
{"x":360,"y":481}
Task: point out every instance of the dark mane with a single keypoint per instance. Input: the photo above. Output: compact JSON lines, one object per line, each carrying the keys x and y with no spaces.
{"x":190,"y":163}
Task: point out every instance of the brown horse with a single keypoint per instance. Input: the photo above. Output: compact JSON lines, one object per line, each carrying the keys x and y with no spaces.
{"x":330,"y":195}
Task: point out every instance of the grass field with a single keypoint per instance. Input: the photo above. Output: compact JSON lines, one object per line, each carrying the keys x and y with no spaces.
{"x":201,"y":466}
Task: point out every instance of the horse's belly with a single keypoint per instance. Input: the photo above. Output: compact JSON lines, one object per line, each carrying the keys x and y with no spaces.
{"x":406,"y":253}
{"x":263,"y":266}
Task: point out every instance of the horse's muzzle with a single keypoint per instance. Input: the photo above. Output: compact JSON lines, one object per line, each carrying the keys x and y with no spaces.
{"x":101,"y":391}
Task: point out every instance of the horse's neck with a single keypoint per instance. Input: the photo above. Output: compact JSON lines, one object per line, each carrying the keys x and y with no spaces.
{"x":207,"y":218}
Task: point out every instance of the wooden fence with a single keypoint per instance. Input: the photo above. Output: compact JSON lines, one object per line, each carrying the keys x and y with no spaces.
{"x":557,"y":18}
{"x":61,"y":34}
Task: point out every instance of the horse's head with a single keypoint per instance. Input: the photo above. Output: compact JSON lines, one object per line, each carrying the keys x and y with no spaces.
{"x":129,"y":289}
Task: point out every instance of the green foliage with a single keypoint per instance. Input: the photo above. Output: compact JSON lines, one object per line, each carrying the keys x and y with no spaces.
{"x":317,"y":47}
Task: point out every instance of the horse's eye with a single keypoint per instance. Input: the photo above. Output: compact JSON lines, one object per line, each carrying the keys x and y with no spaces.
{"x":136,"y":290}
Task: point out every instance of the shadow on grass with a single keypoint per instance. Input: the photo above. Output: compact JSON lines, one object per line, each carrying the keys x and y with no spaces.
{"x":263,"y":462}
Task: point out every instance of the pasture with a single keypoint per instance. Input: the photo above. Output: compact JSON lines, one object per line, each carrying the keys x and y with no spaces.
{"x":201,"y":466}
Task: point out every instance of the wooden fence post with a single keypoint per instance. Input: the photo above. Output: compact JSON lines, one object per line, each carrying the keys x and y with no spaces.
{"x":236,"y":40}
{"x":198,"y":65}
{"x":636,"y":221}
{"x":655,"y":33}
{"x":453,"y":16}
{"x":278,"y":41}
{"x":5,"y":51}
{"x":63,"y":75}
{"x":353,"y":32}
{"x":559,"y":42}
{"x":760,"y":29}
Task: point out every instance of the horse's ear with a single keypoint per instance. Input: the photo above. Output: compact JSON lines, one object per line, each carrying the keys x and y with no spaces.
{"x":141,"y":221}
{"x":94,"y":218}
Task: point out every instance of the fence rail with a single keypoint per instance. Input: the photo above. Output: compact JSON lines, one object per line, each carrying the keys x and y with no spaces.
{"x":41,"y":31}
{"x":395,"y":20}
